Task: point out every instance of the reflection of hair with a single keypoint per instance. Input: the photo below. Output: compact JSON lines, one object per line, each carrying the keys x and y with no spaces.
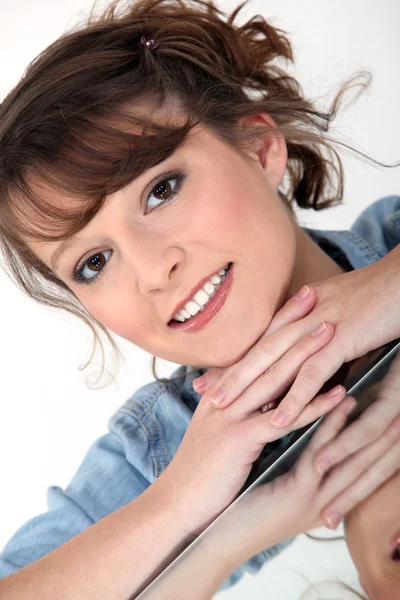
{"x":314,"y":587}
{"x":68,"y":124}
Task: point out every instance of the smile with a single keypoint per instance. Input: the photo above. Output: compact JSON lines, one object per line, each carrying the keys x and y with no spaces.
{"x":211,"y":301}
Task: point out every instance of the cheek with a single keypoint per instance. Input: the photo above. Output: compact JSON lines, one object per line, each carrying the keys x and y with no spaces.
{"x":242,"y":210}
{"x":120,"y":316}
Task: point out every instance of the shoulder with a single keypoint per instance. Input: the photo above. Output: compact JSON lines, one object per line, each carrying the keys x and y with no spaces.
{"x":379,"y":224}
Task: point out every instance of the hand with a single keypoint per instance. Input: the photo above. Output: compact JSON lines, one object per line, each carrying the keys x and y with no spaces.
{"x":374,"y":424}
{"x":219,"y":447}
{"x":293,"y":503}
{"x":360,"y":326}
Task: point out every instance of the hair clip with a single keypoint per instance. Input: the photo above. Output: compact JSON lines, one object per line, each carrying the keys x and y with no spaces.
{"x":151,"y":43}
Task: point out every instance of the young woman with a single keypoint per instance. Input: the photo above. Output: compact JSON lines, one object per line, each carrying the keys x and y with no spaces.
{"x":143,"y":188}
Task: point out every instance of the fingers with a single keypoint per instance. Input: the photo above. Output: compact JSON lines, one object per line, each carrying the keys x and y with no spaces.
{"x":360,"y":475}
{"x":294,"y":309}
{"x":368,"y":427}
{"x":327,"y":431}
{"x":329,"y":427}
{"x":285,"y":357}
{"x":318,"y":407}
{"x":275,"y":381}
{"x":266,"y":351}
{"x":201,"y":384}
{"x":311,"y":377}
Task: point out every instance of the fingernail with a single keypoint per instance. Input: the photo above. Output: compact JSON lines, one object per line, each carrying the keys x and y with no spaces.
{"x":320,"y":329}
{"x":322,"y":465}
{"x":334,"y":391}
{"x":218,"y":396}
{"x":303,"y":293}
{"x":333,"y":519}
{"x":200,"y":383}
{"x":279,"y":418}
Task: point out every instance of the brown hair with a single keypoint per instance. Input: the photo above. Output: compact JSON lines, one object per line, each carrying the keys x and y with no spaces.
{"x":60,"y":127}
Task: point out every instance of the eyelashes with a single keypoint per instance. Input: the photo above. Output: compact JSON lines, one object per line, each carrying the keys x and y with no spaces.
{"x":162,"y":189}
{"x":79,"y":275}
{"x":82,"y":269}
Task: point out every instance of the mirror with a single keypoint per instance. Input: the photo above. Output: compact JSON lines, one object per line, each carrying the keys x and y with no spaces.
{"x":371,"y":529}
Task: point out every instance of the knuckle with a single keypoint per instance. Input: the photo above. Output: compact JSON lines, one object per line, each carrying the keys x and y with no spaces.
{"x":371,"y":431}
{"x":309,"y":373}
{"x":264,"y":344}
{"x":292,"y":405}
{"x":330,"y":454}
{"x":270,"y":374}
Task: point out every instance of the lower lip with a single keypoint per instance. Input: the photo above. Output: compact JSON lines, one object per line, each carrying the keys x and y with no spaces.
{"x":214,"y":305}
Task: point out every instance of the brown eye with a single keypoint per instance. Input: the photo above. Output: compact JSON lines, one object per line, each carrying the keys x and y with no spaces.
{"x":96,"y":262}
{"x":164,"y":191}
{"x":94,"y":265}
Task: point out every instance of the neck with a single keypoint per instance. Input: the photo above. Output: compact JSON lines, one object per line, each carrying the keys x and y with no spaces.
{"x":312,"y":264}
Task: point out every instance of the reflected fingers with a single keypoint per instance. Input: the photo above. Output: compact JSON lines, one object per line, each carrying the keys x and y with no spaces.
{"x":367,"y":428}
{"x":361,"y":474}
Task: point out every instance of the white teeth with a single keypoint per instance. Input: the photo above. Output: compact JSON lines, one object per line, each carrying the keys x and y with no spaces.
{"x":202,"y":297}
{"x":179,"y":318}
{"x":215,"y":279}
{"x":209,"y":287}
{"x":192,"y":307}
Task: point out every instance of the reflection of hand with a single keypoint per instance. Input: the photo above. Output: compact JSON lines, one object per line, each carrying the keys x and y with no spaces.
{"x":292,"y":503}
{"x":372,"y":425}
{"x":361,"y":323}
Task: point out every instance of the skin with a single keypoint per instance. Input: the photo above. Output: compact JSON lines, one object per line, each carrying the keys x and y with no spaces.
{"x":370,"y":529}
{"x":227,"y":210}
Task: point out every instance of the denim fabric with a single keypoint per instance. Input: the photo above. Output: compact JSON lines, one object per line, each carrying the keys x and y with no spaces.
{"x":145,"y":432}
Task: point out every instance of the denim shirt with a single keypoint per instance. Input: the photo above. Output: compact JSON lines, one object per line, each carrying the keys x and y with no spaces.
{"x":146,"y":431}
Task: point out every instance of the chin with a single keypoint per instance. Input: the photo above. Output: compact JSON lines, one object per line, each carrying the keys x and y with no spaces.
{"x":230,"y":358}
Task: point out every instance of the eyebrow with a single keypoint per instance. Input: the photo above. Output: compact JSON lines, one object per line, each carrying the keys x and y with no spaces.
{"x":62,"y":249}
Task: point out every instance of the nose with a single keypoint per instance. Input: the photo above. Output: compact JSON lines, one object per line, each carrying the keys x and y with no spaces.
{"x":157,"y":269}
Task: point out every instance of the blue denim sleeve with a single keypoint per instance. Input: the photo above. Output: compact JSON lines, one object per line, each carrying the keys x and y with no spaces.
{"x":115,"y":470}
{"x":379,"y":224}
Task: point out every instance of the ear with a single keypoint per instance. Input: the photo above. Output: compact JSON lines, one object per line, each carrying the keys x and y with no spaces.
{"x":269,"y":150}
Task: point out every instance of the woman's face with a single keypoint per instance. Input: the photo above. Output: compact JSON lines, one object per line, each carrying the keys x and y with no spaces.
{"x":371,"y":530}
{"x":226,"y":211}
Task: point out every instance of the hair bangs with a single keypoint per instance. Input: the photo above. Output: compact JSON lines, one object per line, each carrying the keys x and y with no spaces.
{"x":92,"y":157}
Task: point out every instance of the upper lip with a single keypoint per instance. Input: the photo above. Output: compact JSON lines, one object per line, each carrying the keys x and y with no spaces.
{"x":193,"y":291}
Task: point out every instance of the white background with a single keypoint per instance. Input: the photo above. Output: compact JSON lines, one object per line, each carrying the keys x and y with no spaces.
{"x":48,"y":417}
